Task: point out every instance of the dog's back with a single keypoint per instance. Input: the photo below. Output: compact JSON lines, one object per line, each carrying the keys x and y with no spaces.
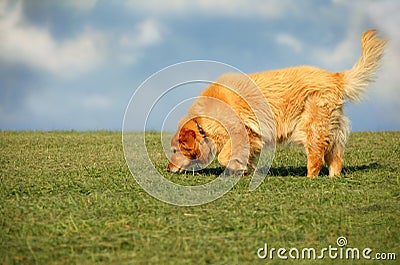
{"x":290,"y":92}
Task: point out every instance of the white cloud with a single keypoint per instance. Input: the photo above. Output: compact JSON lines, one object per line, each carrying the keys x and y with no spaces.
{"x":290,"y":41}
{"x":385,"y":16}
{"x":36,"y":47}
{"x":343,"y":55}
{"x":83,"y":5}
{"x":149,"y":32}
{"x":347,"y":50}
{"x":237,"y":8}
{"x":97,"y":102}
{"x":145,"y":33}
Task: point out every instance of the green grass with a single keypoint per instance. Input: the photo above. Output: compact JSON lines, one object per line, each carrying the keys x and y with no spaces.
{"x":69,"y":198}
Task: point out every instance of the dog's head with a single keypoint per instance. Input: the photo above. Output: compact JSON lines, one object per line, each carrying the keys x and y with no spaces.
{"x":190,"y":146}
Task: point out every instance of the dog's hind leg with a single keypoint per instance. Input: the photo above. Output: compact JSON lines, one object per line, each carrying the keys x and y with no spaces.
{"x":315,"y":145}
{"x":314,"y":159}
{"x":340,"y":130}
{"x":334,"y":159}
{"x":316,"y":136}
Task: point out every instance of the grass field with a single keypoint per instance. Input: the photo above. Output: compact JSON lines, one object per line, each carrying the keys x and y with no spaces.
{"x":69,"y":198}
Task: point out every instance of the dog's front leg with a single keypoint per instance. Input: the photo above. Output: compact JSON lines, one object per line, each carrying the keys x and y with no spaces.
{"x":235,"y":155}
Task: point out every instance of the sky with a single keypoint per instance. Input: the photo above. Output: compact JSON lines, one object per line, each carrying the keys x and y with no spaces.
{"x":74,"y":65}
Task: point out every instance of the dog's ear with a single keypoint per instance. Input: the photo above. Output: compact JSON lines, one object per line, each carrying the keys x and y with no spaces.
{"x":187,"y":138}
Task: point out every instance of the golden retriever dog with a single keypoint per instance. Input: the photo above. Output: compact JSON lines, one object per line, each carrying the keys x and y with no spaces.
{"x":305,"y":108}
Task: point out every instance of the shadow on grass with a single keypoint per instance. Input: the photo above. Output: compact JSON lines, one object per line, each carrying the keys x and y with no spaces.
{"x":302,"y":171}
{"x":212,"y":171}
{"x":298,"y":171}
{"x":353,"y":169}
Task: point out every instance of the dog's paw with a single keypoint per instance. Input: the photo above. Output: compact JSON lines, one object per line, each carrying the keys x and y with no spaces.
{"x":237,"y":168}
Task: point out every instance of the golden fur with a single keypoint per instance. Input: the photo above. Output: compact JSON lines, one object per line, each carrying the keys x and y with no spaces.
{"x":306,"y":105}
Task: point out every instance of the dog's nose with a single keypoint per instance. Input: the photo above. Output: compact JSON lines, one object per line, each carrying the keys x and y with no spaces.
{"x":170,"y":168}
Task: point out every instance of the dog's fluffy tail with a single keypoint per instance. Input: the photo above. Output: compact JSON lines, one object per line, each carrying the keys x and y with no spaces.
{"x":357,"y":78}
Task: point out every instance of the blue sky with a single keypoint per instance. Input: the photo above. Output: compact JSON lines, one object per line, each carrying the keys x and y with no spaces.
{"x":75,"y":64}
